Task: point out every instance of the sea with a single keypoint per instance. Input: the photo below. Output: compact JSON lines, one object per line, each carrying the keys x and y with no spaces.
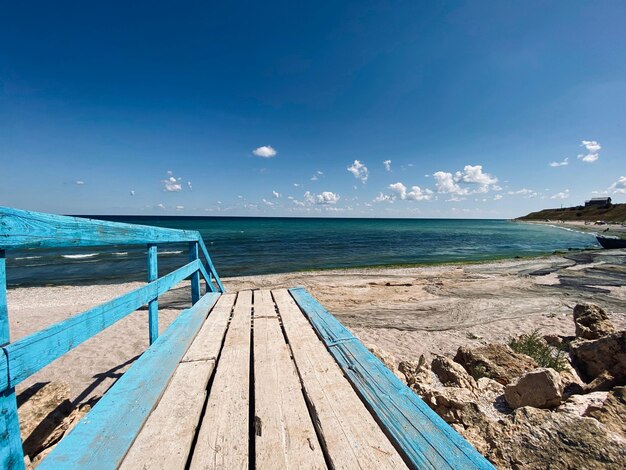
{"x":241,"y":246}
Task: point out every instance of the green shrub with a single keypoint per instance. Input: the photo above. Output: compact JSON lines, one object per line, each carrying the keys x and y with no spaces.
{"x":478,"y":371}
{"x":534,"y":345}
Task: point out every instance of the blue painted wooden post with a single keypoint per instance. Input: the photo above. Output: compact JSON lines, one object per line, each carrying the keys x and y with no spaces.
{"x":194,"y":254}
{"x":153,"y":305}
{"x":11,"y":453}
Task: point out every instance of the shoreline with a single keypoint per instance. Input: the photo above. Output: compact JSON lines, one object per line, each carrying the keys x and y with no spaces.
{"x":407,"y":311}
{"x":610,"y":228}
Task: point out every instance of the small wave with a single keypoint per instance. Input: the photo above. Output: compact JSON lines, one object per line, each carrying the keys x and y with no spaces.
{"x":170,"y":252}
{"x":88,"y":255}
{"x":121,"y":253}
{"x":569,"y":229}
{"x":30,"y":257}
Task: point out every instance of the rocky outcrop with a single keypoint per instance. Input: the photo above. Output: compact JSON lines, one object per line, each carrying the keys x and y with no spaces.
{"x":532,"y":438}
{"x":591,"y":322}
{"x":417,"y":374}
{"x":452,"y":374}
{"x":603,"y":358}
{"x":61,"y":430}
{"x":540,"y":388}
{"x":612,"y":413}
{"x":496,"y":361}
{"x":41,"y":413}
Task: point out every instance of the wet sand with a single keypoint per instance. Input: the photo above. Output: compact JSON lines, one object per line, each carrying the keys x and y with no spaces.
{"x":406,"y":311}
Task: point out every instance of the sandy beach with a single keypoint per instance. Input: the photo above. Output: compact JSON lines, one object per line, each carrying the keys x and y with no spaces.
{"x":610,"y":228}
{"x":405,"y":311}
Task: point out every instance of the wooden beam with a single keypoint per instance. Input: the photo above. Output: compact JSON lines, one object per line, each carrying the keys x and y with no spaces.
{"x":166,"y":438}
{"x":153,"y":305}
{"x":284,"y":434}
{"x":211,"y":267}
{"x":426,"y":439}
{"x":195,"y":277}
{"x":32,"y":353}
{"x":11,"y":453}
{"x":27,"y":229}
{"x":349,"y":434}
{"x":222,"y":441}
{"x":102,"y":438}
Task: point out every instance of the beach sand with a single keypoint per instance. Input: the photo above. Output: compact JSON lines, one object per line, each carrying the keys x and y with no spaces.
{"x":612,"y":228}
{"x":405,"y":311}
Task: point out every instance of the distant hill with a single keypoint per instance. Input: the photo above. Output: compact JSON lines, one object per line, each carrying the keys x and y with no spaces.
{"x":610,"y":213}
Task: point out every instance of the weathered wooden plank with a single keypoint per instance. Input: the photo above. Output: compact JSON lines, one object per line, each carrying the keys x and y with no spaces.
{"x":153,"y":305}
{"x":165,"y":440}
{"x":102,"y":438}
{"x":209,"y":340}
{"x":285,"y":437}
{"x":33,"y":352}
{"x":166,"y":437}
{"x":11,"y":453}
{"x":27,"y":229}
{"x":350,"y":435}
{"x":223,"y":438}
{"x":426,"y":439}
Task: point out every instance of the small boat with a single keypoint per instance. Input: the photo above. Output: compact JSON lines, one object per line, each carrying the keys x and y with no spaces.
{"x":611,"y":242}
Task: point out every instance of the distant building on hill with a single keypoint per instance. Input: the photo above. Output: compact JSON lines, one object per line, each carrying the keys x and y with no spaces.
{"x":598,"y":201}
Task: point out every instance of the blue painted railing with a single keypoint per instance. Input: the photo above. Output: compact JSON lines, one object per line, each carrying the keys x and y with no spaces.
{"x":24,"y":229}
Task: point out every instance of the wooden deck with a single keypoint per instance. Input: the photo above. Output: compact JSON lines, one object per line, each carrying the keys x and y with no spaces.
{"x":257,"y":387}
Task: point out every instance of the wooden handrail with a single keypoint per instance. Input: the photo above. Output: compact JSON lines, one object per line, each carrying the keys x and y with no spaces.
{"x":21,"y":229}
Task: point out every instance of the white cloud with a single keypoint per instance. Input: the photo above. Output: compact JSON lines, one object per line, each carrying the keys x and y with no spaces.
{"x":275,"y":194}
{"x":474,"y":174}
{"x":527,"y":193}
{"x":266,"y":151}
{"x":298,"y":203}
{"x":317,"y":175}
{"x":619,"y":187}
{"x":448,"y":183}
{"x":383,"y":198}
{"x":561,"y":195}
{"x":445,"y":183}
{"x":415,"y":194}
{"x":267,"y":203}
{"x":497,"y":197}
{"x":399,"y":188}
{"x":593,"y":151}
{"x":180,"y":208}
{"x":296,"y":185}
{"x":132,"y":192}
{"x":564,"y":162}
{"x":189,"y":185}
{"x":171,"y":183}
{"x":325,"y":197}
{"x":359,"y":170}
{"x":79,"y":183}
{"x":387,"y":164}
{"x":161,"y":206}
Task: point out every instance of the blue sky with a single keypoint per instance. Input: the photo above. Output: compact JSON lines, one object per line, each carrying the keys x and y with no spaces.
{"x":280,"y":108}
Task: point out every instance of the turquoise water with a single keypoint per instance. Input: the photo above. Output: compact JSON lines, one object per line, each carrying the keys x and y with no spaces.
{"x":245,"y":246}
